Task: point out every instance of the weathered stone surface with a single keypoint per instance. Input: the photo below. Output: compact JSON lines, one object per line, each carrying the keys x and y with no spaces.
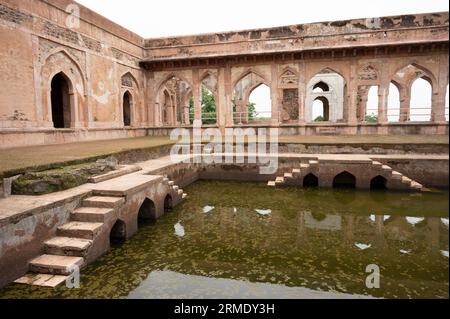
{"x":85,"y":230}
{"x":42,"y":280}
{"x":67,"y":177}
{"x":53,"y":264}
{"x":158,"y":76}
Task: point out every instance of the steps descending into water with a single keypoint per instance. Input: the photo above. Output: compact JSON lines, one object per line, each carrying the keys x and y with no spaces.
{"x":92,"y":214}
{"x":67,"y":246}
{"x":75,"y":239}
{"x":104,"y":202}
{"x":55,"y":265}
{"x":83,"y":230}
{"x":395,"y":180}
{"x":42,"y":280}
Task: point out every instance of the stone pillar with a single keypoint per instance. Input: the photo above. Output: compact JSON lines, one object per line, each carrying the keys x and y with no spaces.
{"x":383,"y":93}
{"x":228,"y":97}
{"x":149,"y":98}
{"x":363,"y":107}
{"x":405,"y":99}
{"x":301,"y":93}
{"x":196,"y":95}
{"x":224,"y":114}
{"x":438,"y":103}
{"x":274,"y":95}
{"x":353,"y":95}
{"x":383,"y":96}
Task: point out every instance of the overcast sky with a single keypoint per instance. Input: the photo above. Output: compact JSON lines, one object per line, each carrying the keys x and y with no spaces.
{"x":177,"y":17}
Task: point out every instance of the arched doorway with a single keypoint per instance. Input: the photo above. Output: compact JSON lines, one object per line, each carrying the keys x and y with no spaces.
{"x":259,"y":106}
{"x":321,"y":109}
{"x":60,"y":100}
{"x":421,"y":98}
{"x":118,"y":232}
{"x":344,"y":180}
{"x":378,"y":183}
{"x":127,"y":109}
{"x":393,"y":109}
{"x":310,"y":180}
{"x":147,"y":212}
{"x":321,"y":87}
{"x":168,"y":203}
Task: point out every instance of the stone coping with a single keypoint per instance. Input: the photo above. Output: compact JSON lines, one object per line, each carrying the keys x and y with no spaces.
{"x":17,"y":207}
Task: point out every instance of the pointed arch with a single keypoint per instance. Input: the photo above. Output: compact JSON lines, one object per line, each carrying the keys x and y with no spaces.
{"x":344,"y":180}
{"x":61,"y":102}
{"x":248,"y":72}
{"x":66,"y":54}
{"x":130,"y":75}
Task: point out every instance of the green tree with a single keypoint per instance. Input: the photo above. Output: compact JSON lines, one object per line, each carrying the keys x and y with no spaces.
{"x":372,"y":119}
{"x":208,"y":108}
{"x":319,"y":119}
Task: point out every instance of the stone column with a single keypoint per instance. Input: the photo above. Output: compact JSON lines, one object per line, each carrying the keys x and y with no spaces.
{"x":438,"y":103}
{"x":405,"y":99}
{"x":149,"y":98}
{"x":228,"y":97}
{"x":274,"y":95}
{"x":363,"y":107}
{"x":383,"y":94}
{"x":196,"y":95}
{"x":353,"y":95}
{"x":223,"y":104}
{"x":301,"y":93}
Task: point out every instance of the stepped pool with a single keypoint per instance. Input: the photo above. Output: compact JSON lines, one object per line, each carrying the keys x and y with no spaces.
{"x":247,"y":240}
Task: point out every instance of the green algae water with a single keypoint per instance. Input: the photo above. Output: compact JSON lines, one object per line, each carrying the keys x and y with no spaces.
{"x":260,"y":242}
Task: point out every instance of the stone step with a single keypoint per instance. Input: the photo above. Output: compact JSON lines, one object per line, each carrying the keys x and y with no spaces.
{"x":56,"y":265}
{"x":279,"y":180}
{"x":415,"y":185}
{"x":313,"y":163}
{"x":165,"y":180}
{"x":66,"y":246}
{"x":271,"y":183}
{"x":184,"y":196}
{"x":377,"y":165}
{"x":124,"y":170}
{"x":396,"y":175}
{"x":180,"y":192}
{"x":386,"y":168}
{"x":42,"y":280}
{"x":288,"y":175}
{"x":91,"y":214}
{"x":305,"y":166}
{"x":296,"y":171}
{"x":104,"y":201}
{"x":175,"y":187}
{"x":79,"y":230}
{"x":171,"y":183}
{"x":406,"y":180}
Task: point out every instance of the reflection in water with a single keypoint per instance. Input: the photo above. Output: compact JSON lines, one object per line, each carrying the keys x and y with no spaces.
{"x":168,"y":284}
{"x":311,"y":242}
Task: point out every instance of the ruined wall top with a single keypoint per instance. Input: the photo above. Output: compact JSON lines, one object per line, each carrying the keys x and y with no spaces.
{"x":403,"y":29}
{"x":93,"y":24}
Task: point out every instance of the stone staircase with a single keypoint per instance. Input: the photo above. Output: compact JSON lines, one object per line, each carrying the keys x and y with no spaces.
{"x":72,"y":243}
{"x":395,"y":180}
{"x":78,"y":242}
{"x":177,"y":193}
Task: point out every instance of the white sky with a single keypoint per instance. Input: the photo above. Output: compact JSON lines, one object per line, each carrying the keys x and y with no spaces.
{"x":177,"y":17}
{"x":161,"y":18}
